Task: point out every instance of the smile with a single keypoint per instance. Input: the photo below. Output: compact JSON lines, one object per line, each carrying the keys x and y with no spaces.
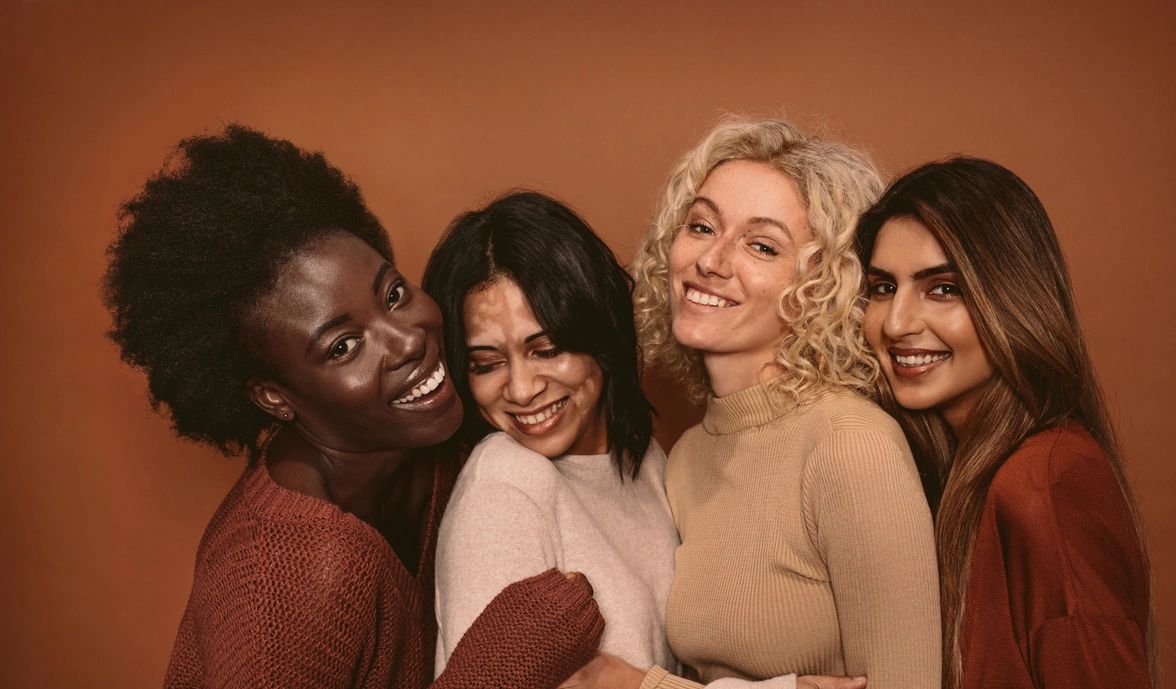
{"x":429,"y":385}
{"x":914,"y":360}
{"x":705,"y":299}
{"x":542,"y":415}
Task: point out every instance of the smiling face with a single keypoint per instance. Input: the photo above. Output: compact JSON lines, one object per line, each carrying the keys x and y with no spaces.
{"x":545,"y":398}
{"x":356,"y":350}
{"x":919,"y":326}
{"x":728,"y":266}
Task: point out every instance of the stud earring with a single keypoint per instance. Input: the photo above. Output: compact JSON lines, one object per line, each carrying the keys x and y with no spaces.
{"x":285,"y":416}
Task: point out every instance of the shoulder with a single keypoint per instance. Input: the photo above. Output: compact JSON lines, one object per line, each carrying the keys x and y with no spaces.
{"x":498,"y":458}
{"x":848,"y":427}
{"x":1050,"y":470}
{"x":290,"y":556}
{"x":846,"y":412}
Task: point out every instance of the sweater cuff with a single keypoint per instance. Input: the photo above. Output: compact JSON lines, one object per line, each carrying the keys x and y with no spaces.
{"x":575,"y":605}
{"x":658,"y":678}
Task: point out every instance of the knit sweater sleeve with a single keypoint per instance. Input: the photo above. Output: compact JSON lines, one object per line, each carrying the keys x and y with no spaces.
{"x":532,"y":635}
{"x":866,"y":513}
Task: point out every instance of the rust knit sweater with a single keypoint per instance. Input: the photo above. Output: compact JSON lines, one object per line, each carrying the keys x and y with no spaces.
{"x":1057,"y":597}
{"x":289,"y":591}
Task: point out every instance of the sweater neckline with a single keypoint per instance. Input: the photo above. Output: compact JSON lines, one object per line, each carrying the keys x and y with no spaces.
{"x":273,"y":495}
{"x":754,"y":406}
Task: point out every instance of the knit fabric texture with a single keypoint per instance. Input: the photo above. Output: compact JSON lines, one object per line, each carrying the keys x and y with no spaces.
{"x":807,"y":544}
{"x":1058,"y":591}
{"x":291,"y":592}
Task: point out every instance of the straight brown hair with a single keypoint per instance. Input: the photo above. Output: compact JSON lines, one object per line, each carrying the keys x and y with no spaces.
{"x":994,"y":229}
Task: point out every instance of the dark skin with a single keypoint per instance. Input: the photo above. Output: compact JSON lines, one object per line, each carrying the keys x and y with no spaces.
{"x":350,"y":340}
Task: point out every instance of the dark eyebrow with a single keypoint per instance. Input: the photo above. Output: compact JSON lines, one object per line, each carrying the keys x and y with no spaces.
{"x":380,"y":278}
{"x":322,"y":329}
{"x":934,"y":270}
{"x":923,"y":274}
{"x":488,"y":348}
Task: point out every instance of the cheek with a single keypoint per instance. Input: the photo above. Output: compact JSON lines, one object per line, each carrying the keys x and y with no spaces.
{"x":485,"y":388}
{"x":582,"y":374}
{"x":872,"y":325}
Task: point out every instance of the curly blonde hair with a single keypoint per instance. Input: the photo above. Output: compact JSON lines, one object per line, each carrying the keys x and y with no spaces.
{"x":821,"y":312}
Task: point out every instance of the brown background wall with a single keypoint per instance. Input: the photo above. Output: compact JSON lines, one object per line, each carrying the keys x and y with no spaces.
{"x":436,"y":110}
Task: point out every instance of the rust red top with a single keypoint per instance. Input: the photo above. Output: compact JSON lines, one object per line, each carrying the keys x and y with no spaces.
{"x":1058,"y":592}
{"x":289,"y":592}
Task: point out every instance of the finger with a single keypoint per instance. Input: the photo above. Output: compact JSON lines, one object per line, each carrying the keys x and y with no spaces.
{"x":580,"y":580}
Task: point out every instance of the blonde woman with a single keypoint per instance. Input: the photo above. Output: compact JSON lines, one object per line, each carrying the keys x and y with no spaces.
{"x":806,"y":539}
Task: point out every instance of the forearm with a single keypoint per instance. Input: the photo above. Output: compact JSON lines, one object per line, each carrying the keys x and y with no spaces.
{"x":533,"y":635}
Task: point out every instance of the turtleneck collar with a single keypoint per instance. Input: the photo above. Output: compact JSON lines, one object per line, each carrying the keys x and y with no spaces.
{"x":748,"y":408}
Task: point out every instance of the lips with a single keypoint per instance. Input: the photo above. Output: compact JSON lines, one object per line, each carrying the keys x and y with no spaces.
{"x":424,"y":388}
{"x":541,"y":420}
{"x":912,"y":363}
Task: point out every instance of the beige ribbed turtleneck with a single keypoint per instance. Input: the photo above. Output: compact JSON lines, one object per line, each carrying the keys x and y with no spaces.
{"x":807,"y":544}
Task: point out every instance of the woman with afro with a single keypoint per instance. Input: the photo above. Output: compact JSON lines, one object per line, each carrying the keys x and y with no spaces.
{"x":261,"y":298}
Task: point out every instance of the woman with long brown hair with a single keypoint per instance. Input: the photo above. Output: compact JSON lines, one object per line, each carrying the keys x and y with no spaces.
{"x":1042,"y":561}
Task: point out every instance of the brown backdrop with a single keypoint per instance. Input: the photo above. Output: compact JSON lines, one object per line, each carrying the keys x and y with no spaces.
{"x":436,"y":110}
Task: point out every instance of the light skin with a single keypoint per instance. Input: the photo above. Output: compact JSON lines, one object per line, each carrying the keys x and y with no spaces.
{"x":918,"y":324}
{"x":728,"y":265}
{"x":349,"y":339}
{"x":546,"y":398}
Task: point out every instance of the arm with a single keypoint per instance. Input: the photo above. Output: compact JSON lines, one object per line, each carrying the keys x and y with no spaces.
{"x":532,"y":635}
{"x":1077,"y":583}
{"x":865,"y":511}
{"x":493,"y":534}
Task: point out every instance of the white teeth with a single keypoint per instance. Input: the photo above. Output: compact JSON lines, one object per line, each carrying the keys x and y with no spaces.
{"x":430,"y":384}
{"x":920,"y":359}
{"x":705,"y":299}
{"x":532,"y":419}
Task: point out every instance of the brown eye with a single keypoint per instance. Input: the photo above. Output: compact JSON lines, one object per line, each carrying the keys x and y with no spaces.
{"x":396,"y":294}
{"x":344,"y":347}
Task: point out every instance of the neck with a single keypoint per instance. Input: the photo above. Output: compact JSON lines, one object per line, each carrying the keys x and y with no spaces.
{"x":359,"y":483}
{"x":729,"y":374}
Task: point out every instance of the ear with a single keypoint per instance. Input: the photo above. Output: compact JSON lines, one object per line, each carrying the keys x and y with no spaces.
{"x":269,"y":397}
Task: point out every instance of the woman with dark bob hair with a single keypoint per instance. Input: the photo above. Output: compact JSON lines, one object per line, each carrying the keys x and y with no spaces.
{"x":563,"y":470}
{"x":1041,"y":556}
{"x":261,"y":298}
{"x":539,"y":327}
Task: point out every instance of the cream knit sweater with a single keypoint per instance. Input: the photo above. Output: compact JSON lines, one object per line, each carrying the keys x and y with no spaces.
{"x":807,"y":544}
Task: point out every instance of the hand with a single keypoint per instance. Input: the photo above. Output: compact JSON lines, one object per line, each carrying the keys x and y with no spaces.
{"x":580,"y":580}
{"x":823,"y":682}
{"x":610,"y":672}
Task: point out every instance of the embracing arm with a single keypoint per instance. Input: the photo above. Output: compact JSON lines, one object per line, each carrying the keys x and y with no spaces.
{"x":532,"y":635}
{"x":866,"y":512}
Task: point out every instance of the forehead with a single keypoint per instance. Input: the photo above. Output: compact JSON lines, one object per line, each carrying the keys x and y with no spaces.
{"x":320,"y":281}
{"x":906,"y":242}
{"x":498,"y":312}
{"x":752,"y":188}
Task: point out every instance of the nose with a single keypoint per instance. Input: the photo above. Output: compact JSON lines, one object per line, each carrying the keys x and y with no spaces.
{"x":715,"y":259}
{"x":403,"y":343}
{"x":904,"y":315}
{"x":523,"y":384}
